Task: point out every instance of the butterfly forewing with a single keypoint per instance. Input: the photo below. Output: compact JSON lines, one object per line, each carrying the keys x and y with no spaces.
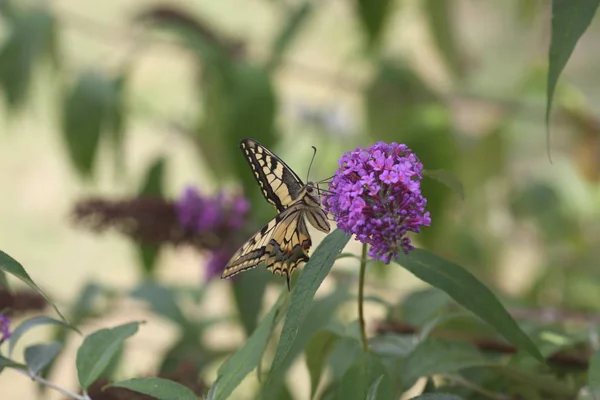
{"x":279,"y":184}
{"x":283,"y":244}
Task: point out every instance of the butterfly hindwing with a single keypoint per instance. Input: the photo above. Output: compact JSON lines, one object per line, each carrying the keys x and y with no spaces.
{"x":283,"y":244}
{"x":279,"y":184}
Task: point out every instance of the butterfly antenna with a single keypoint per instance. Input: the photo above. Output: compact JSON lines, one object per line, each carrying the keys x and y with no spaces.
{"x":311,"y":162}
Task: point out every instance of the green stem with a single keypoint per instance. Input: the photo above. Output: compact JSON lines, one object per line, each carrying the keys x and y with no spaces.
{"x":361,"y":295}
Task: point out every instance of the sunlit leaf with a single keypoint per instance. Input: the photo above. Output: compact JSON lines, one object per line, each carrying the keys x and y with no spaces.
{"x":40,"y":355}
{"x":159,"y":388}
{"x":570,"y":19}
{"x":469,"y":292}
{"x":13,"y":267}
{"x":97,"y":350}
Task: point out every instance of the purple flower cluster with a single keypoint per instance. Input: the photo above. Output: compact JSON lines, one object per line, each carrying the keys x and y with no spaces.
{"x":376,"y":195}
{"x":203,"y":214}
{"x":4,"y":328}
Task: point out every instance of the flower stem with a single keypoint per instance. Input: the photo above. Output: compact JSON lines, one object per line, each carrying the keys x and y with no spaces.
{"x":43,"y":381}
{"x":361,"y":295}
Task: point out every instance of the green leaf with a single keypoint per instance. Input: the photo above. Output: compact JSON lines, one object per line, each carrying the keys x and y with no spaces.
{"x":467,"y":291}
{"x":374,"y":389}
{"x":439,"y":16}
{"x":40,"y":355}
{"x":319,"y":315}
{"x":317,"y":352}
{"x":248,"y":293}
{"x":117,"y":122}
{"x":97,"y":350}
{"x":246,"y":358}
{"x":29,"y":324}
{"x":547,"y":383}
{"x":159,"y":388}
{"x":162,"y":301}
{"x":8,"y":363}
{"x":314,"y":273}
{"x":437,"y":396}
{"x":292,"y":26}
{"x":570,"y":19}
{"x":439,"y":356}
{"x":152,"y":185}
{"x":449,"y":179}
{"x":360,"y":377}
{"x":4,"y":281}
{"x":373,"y":15}
{"x":422,"y":305}
{"x":32,"y":36}
{"x":594,"y":374}
{"x":87,"y":111}
{"x":13,"y":267}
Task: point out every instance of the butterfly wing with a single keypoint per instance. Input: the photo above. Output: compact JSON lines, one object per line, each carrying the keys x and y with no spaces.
{"x":279,"y":184}
{"x":282,"y":245}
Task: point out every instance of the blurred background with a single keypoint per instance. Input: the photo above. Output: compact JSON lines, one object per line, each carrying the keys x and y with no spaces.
{"x":113,"y":100}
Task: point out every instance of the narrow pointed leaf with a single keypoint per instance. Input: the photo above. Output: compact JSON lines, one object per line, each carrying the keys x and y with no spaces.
{"x":159,"y":388}
{"x":469,"y":292}
{"x":13,"y":267}
{"x":247,"y":357}
{"x":570,"y":19}
{"x":87,"y":111}
{"x":39,"y":356}
{"x":313,"y":275}
{"x":372,"y":395}
{"x":32,"y":323}
{"x":98,"y":349}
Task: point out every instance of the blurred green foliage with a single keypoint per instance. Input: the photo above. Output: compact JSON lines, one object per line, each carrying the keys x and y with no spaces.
{"x":493,"y":200}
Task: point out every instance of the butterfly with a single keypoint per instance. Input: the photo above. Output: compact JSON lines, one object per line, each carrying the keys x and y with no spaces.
{"x":283,"y":244}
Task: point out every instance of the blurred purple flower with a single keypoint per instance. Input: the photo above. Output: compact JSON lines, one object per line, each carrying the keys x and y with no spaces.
{"x":376,"y":195}
{"x":4,"y":328}
{"x":217,"y":261}
{"x":199,"y":213}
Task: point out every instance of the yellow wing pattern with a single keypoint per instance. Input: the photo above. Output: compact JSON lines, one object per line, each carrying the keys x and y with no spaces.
{"x":283,"y":244}
{"x":279,"y":184}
